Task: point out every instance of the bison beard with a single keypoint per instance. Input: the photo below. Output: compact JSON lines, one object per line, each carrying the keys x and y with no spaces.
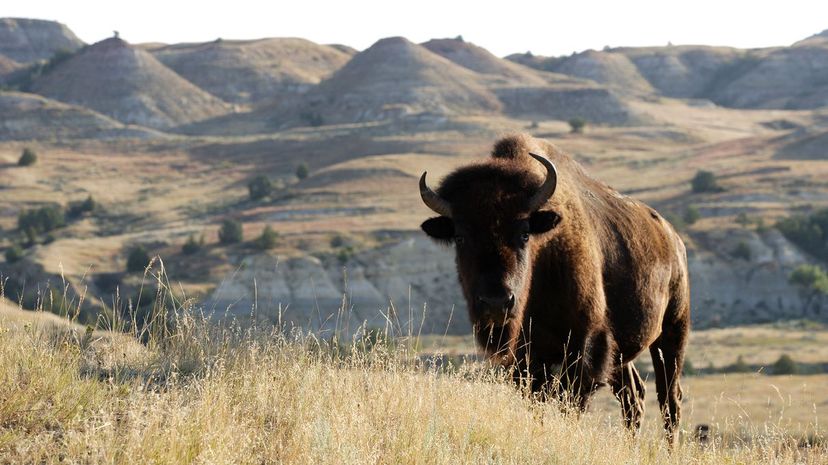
{"x":566,"y":280}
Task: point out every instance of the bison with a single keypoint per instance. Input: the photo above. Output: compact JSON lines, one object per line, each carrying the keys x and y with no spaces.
{"x":566,"y":280}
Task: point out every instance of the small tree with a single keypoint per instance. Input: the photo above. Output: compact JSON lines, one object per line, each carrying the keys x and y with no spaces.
{"x":14,"y":254}
{"x":231,"y":232}
{"x":691,"y":215}
{"x":785,"y":365}
{"x":27,"y":158}
{"x":741,"y":251}
{"x":705,"y":181}
{"x":812,"y":282}
{"x":268,"y":239}
{"x":739,"y":366}
{"x":302,"y":171}
{"x":259,"y":187}
{"x":192,"y":245}
{"x":138,"y":259}
{"x":743,"y":220}
{"x":577,"y":125}
{"x":77,"y":209}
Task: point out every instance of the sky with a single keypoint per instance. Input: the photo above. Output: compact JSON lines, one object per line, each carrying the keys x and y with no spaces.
{"x":504,"y":27}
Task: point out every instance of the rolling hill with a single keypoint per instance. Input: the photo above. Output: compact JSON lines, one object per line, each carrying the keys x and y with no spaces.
{"x":30,"y":40}
{"x":129,"y":85}
{"x":253,"y":72}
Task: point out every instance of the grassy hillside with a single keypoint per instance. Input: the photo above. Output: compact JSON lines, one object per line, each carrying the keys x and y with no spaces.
{"x":201,"y":392}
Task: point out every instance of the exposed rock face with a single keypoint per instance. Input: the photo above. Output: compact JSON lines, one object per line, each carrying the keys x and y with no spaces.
{"x":128,"y":84}
{"x":394,"y":78}
{"x":30,"y":40}
{"x":792,"y":78}
{"x":255,"y":72}
{"x":31,"y":117}
{"x":326,"y":296}
{"x":482,"y":61}
{"x":7,"y":66}
{"x":682,"y":71}
{"x":417,"y":272}
{"x":612,"y":69}
{"x":595,"y":104}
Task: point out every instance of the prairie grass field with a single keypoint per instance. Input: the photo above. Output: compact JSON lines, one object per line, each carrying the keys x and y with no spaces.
{"x":183,"y":388}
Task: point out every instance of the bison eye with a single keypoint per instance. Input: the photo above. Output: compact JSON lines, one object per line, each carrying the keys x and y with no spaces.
{"x":459,"y":240}
{"x":524,"y":237}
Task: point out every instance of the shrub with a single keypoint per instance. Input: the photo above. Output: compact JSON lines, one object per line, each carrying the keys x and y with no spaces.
{"x":259,"y":187}
{"x":14,"y":254}
{"x":137,"y":259}
{"x":27,"y":158}
{"x":577,"y":125}
{"x":738,"y":367}
{"x":231,"y":232}
{"x":705,"y":181}
{"x":741,"y":251}
{"x":811,"y":278}
{"x":192,"y":245}
{"x":688,"y":369}
{"x":785,"y":365}
{"x":41,"y":220}
{"x":302,"y":171}
{"x":268,"y":239}
{"x":76,"y":209}
{"x":808,"y":232}
{"x":691,"y":215}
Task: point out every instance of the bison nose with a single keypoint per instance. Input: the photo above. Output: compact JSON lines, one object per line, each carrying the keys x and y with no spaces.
{"x":497,"y":307}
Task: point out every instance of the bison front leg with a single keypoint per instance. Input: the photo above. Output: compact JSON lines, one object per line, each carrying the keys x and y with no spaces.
{"x":629,"y":389}
{"x":586,"y":369}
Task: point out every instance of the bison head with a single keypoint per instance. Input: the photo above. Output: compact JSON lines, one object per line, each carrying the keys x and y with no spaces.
{"x":495,"y":214}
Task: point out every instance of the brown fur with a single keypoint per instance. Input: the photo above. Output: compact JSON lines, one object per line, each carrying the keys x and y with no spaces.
{"x":605,"y":283}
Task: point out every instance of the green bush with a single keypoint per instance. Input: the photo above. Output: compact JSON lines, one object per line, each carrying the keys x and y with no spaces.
{"x":27,"y":158}
{"x":691,"y":215}
{"x":688,"y":369}
{"x":577,"y":125}
{"x":811,"y":278}
{"x":231,"y":232}
{"x":705,"y":181}
{"x":14,"y":254}
{"x":741,"y":251}
{"x":808,"y":232}
{"x":268,"y":239}
{"x":785,"y":365}
{"x":302,"y":171}
{"x":259,"y":187}
{"x":193,"y":245}
{"x":738,"y":367}
{"x":137,"y":259}
{"x":41,"y":220}
{"x":76,"y":209}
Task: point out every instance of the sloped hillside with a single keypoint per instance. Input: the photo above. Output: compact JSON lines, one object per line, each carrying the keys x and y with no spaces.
{"x":793,"y":77}
{"x":30,"y":117}
{"x":612,"y":69}
{"x":395,"y":77}
{"x":30,"y":40}
{"x":686,"y":71}
{"x":257,"y":71}
{"x":7,"y":66}
{"x":482,"y":61}
{"x":128,"y":84}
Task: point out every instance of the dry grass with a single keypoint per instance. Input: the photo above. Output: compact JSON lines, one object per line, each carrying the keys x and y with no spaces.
{"x":202,"y":392}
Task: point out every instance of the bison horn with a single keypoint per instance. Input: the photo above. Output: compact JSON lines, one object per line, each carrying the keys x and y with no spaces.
{"x":548,"y":187}
{"x":432,"y":200}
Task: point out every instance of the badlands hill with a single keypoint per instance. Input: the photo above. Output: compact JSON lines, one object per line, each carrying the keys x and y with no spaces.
{"x":367,"y":124}
{"x":129,"y":85}
{"x":31,"y":40}
{"x":253,"y":71}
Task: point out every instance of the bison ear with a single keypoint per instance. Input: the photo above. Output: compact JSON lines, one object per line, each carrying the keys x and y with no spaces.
{"x":543,"y":221}
{"x":440,"y":228}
